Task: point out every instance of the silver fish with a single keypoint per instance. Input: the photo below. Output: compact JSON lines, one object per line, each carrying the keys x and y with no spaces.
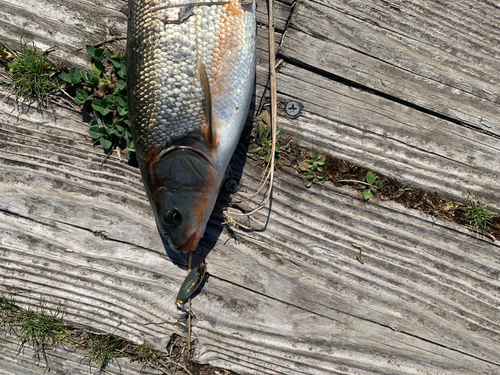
{"x":191,"y":67}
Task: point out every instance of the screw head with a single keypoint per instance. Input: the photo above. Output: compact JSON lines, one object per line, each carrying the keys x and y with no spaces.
{"x":292,"y":109}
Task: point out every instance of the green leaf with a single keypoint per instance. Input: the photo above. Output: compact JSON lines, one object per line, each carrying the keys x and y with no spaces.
{"x":122,"y":72}
{"x":96,"y":54}
{"x":367,"y":194}
{"x":81,"y":96}
{"x":65,"y":77}
{"x":308,"y":183}
{"x":320,"y":177}
{"x":101,"y":106}
{"x":122,"y":101}
{"x":106,"y":143}
{"x":268,"y":131}
{"x":311,"y":155}
{"x":122,"y":85}
{"x":267,"y":158}
{"x":310,"y":175}
{"x":370,"y":178}
{"x":321,"y":162}
{"x":122,"y":111}
{"x":90,"y":50}
{"x":74,"y":76}
{"x":92,"y":79}
{"x":94,"y":132}
{"x":255,"y":148}
{"x":261,"y":128}
{"x":118,"y":133}
{"x":108,"y":120}
{"x":116,"y":61}
{"x":97,"y":68}
{"x":103,"y":130}
{"x":379,"y":184}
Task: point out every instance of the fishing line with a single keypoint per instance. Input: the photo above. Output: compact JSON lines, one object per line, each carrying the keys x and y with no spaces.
{"x":269,"y":170}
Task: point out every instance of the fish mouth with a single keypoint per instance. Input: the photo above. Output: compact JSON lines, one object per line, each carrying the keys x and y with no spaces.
{"x":183,"y":148}
{"x":190,"y":244}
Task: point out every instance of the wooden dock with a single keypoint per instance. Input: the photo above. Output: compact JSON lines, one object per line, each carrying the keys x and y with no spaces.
{"x":407,"y":89}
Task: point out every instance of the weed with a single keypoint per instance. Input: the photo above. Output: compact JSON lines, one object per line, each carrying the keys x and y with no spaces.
{"x":145,"y":355}
{"x":104,"y":349}
{"x":313,"y":168}
{"x":30,"y":74}
{"x":372,"y":186}
{"x":37,"y":328}
{"x":104,"y":93}
{"x":477,"y":215}
{"x":263,"y":140}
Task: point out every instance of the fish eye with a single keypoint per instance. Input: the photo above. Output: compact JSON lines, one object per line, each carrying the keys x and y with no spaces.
{"x":172,"y":218}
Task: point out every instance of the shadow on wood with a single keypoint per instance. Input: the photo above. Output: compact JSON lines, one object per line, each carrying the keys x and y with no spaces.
{"x":408,"y":91}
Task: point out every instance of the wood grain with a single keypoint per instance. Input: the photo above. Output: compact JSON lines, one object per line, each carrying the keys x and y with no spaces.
{"x":65,"y":25}
{"x":292,"y":299}
{"x":408,"y":145}
{"x":60,"y":361}
{"x":433,"y":56}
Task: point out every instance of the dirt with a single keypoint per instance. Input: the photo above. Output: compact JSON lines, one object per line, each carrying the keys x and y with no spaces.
{"x":341,"y":173}
{"x":337,"y":170}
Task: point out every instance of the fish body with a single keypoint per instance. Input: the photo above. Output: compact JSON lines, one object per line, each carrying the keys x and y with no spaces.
{"x":190,"y":73}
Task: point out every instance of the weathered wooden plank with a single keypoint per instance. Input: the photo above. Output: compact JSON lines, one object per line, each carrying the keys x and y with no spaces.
{"x":70,"y":25}
{"x":441,"y":57}
{"x":406,"y":144}
{"x":426,"y":298}
{"x":67,"y":25}
{"x":60,"y":360}
{"x":291,"y":299}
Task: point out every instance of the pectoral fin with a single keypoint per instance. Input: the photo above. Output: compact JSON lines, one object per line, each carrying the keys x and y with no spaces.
{"x":207,"y":105}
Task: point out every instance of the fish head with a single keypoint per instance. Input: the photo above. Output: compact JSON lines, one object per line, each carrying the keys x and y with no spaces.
{"x":184,"y":187}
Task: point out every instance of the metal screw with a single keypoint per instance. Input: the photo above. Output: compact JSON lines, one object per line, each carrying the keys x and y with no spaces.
{"x":292,"y":109}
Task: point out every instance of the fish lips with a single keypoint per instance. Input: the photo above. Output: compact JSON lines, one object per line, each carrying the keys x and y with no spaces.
{"x":185,"y":187}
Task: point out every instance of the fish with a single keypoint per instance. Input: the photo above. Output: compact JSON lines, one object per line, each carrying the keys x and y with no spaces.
{"x":190,"y":77}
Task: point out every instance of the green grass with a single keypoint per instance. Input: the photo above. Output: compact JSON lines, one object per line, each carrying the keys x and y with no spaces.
{"x":41,"y":329}
{"x":36,"y":328}
{"x":102,"y":92}
{"x":477,"y":215}
{"x":32,"y":76}
{"x":105,"y":348}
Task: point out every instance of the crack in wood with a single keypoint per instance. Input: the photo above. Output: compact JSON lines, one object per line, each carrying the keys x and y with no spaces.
{"x":395,"y":329}
{"x":381,"y":94}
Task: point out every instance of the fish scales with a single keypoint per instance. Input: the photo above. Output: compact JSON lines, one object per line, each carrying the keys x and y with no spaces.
{"x":191,"y":66}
